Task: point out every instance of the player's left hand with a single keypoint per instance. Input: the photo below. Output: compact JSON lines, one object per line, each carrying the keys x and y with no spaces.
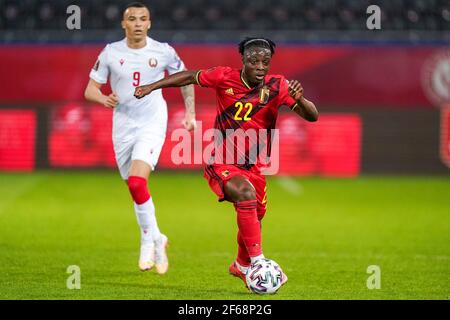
{"x":295,"y":89}
{"x":189,"y":121}
{"x":142,"y":91}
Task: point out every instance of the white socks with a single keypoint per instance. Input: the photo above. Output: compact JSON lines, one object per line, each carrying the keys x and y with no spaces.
{"x":145,"y":214}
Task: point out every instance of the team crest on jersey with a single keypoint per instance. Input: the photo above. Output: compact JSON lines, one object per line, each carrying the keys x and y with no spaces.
{"x":225,"y":173}
{"x":264,"y":95}
{"x":152,"y":62}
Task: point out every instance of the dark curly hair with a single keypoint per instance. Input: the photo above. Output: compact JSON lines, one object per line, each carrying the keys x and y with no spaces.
{"x":257,"y":42}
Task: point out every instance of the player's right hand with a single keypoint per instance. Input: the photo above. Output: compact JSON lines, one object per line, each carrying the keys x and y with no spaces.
{"x":189,"y":121}
{"x":142,"y":91}
{"x":111,"y":101}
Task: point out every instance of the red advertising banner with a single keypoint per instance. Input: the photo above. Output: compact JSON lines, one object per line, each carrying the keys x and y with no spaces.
{"x":373,"y":76}
{"x":445,"y":135}
{"x":17,"y":140}
{"x":80,"y":136}
{"x":329,"y":147}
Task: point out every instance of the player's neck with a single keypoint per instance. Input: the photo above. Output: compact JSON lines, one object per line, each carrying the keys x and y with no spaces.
{"x":250,"y":84}
{"x":136,"y":44}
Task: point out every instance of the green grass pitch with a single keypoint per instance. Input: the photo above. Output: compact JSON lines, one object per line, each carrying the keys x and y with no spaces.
{"x":323,"y":232}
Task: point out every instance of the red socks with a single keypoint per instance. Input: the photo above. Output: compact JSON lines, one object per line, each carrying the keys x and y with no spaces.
{"x":249,"y":231}
{"x":138,"y":189}
{"x":242,"y":257}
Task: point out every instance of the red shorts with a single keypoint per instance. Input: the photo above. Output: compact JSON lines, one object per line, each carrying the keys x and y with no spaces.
{"x":219,"y":175}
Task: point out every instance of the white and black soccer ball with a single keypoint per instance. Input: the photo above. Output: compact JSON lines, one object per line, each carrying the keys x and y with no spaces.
{"x":264,"y":276}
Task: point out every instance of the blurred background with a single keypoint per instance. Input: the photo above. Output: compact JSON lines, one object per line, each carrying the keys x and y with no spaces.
{"x":366,"y":185}
{"x":383,"y":94}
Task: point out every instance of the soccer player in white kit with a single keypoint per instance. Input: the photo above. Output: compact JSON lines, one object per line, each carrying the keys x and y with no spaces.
{"x":139,"y":126}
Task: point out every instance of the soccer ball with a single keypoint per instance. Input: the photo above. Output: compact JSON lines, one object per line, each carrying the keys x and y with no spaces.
{"x":264,"y":276}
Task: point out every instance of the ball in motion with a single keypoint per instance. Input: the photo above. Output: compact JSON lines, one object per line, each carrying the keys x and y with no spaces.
{"x":264,"y":276}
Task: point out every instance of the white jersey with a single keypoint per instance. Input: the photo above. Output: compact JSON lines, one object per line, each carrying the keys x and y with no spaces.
{"x":128,"y":68}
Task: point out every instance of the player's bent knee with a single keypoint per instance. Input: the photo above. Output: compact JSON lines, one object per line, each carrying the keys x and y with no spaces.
{"x":239,"y":189}
{"x":246,"y":193}
{"x":138,"y":189}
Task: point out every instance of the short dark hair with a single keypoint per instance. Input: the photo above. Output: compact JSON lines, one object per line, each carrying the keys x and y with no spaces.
{"x":136,"y":5}
{"x":257,"y":42}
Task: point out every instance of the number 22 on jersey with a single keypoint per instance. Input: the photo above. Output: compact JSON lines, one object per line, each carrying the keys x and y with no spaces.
{"x":243,"y":110}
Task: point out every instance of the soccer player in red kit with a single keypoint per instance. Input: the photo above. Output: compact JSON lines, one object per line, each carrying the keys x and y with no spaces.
{"x":246,"y":99}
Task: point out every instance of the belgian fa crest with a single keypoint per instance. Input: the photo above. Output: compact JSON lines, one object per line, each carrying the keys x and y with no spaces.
{"x":264,"y":95}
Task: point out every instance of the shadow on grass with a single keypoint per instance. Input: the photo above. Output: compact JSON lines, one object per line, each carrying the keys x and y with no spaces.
{"x":172,"y":290}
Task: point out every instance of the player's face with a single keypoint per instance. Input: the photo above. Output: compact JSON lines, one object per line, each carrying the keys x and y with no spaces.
{"x":256,"y":64}
{"x":136,"y":23}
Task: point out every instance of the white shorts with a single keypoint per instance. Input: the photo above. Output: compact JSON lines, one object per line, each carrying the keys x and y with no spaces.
{"x":145,"y":148}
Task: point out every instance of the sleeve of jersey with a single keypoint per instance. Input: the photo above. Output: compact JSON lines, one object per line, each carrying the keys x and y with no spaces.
{"x":210,"y":78}
{"x":285,"y":98}
{"x":100,"y":71}
{"x":175,"y":63}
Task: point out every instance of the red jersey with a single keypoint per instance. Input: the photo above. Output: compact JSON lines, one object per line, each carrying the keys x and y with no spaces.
{"x":240,"y":106}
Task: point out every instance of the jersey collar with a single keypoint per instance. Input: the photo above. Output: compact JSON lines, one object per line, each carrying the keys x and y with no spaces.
{"x":246,"y":84}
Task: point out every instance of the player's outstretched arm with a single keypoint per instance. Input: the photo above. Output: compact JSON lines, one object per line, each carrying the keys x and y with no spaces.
{"x":188,"y":94}
{"x":179,"y":79}
{"x":304,"y":108}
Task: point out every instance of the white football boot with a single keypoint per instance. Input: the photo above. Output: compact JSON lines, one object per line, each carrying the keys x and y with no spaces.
{"x":161,"y":260}
{"x":147,"y":257}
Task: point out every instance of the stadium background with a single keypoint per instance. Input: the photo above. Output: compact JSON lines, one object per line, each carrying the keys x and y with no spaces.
{"x":383,"y":95}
